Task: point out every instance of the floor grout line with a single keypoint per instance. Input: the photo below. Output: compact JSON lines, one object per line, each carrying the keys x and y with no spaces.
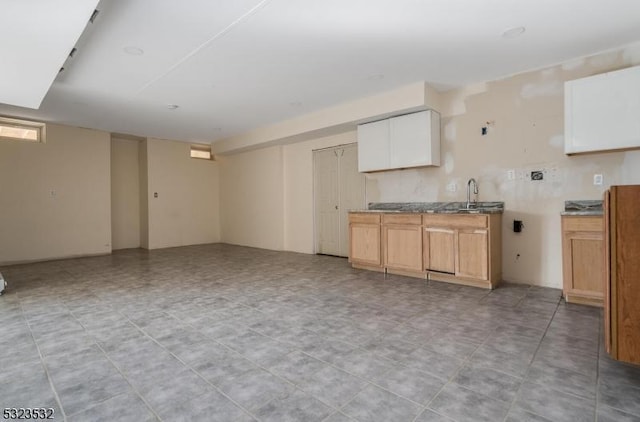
{"x":533,"y":358}
{"x":363,"y":301}
{"x":42,"y":362}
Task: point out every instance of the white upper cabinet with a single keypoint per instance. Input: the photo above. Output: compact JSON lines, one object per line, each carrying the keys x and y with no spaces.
{"x":373,"y":146}
{"x":415,"y":140}
{"x":411,"y":140}
{"x":602,"y":112}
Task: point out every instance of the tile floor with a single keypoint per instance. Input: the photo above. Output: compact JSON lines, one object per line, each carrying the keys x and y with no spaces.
{"x":226,"y":333}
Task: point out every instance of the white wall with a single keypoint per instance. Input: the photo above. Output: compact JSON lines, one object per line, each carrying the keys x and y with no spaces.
{"x":125,"y":194}
{"x":251,"y":198}
{"x":55,"y":197}
{"x":186,"y":211}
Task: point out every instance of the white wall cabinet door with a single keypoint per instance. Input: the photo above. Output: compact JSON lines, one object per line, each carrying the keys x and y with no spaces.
{"x":410,"y":140}
{"x":602,"y":112}
{"x":373,"y":146}
{"x":413,"y":143}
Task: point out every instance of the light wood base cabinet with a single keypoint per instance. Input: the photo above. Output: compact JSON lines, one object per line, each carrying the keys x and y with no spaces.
{"x":365,"y":241}
{"x":456,"y":248}
{"x":622,"y":310}
{"x":583,"y":259}
{"x":439,"y":248}
{"x":463,"y":248}
{"x":402,"y":242}
{"x":473,"y":254}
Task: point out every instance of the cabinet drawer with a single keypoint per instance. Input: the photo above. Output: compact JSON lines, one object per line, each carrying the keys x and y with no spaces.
{"x":582,"y":223}
{"x":366,"y":218}
{"x":455,"y":220}
{"x":402,"y":219}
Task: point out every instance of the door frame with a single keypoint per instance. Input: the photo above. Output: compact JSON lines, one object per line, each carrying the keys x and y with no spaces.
{"x":314,"y":189}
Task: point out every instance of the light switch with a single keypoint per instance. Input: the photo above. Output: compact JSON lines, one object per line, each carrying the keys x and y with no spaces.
{"x":598,"y":179}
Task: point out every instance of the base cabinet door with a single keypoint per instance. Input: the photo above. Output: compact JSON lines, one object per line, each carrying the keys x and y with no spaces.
{"x":365,"y":240}
{"x":439,"y":249}
{"x":472,"y":258}
{"x":586,"y":271}
{"x":403,"y":247}
{"x":365,"y":244}
{"x":583,"y":260}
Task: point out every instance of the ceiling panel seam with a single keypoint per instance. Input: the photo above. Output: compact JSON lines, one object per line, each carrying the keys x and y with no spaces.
{"x":196,"y":50}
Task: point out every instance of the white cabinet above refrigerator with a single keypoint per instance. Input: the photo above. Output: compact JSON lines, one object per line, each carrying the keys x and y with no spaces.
{"x":602,"y":112}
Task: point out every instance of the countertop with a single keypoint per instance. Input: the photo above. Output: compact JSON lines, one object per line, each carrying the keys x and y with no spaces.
{"x":583,"y":207}
{"x":434,"y":207}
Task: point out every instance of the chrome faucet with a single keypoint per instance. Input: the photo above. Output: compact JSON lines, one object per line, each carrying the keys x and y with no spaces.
{"x":475,"y":191}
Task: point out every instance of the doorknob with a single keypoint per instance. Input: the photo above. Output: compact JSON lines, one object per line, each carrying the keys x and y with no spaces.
{"x":336,"y":207}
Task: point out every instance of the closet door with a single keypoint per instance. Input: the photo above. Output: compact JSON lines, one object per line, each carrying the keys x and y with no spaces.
{"x":327,"y":200}
{"x":339,"y":187}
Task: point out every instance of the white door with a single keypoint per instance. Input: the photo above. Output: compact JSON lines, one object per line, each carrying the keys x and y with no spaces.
{"x":327,"y":202}
{"x":339,"y":187}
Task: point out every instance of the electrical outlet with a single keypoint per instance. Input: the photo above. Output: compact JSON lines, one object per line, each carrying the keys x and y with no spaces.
{"x":511,"y":174}
{"x":598,"y":179}
{"x":452,"y":187}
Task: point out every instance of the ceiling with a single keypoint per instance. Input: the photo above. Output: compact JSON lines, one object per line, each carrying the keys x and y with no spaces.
{"x":28,"y":51}
{"x":231,"y":66}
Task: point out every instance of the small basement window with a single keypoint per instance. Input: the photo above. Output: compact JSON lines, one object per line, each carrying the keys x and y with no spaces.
{"x":202,"y":152}
{"x":21,"y":130}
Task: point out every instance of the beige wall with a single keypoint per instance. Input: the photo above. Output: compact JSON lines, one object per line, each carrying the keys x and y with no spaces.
{"x":527,"y":115}
{"x":125,"y":194}
{"x":251,"y":198}
{"x":526,"y":133}
{"x":186,"y":211}
{"x":267,"y":195}
{"x":55,"y":197}
{"x":333,"y":120}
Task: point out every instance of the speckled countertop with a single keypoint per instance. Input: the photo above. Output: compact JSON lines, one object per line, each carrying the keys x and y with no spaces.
{"x":582,"y":207}
{"x":435,"y":207}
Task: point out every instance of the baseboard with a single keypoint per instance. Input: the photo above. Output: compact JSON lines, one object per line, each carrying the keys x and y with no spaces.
{"x":55,"y":258}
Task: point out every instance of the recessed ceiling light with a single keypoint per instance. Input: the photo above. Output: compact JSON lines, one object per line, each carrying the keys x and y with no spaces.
{"x":375,"y":77}
{"x":514,"y":32}
{"x":134,"y":51}
{"x":172,"y":106}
